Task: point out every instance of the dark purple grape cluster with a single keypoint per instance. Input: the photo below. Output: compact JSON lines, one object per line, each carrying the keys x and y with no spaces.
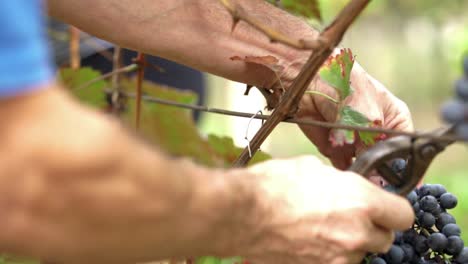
{"x":455,"y":111}
{"x":434,"y":237}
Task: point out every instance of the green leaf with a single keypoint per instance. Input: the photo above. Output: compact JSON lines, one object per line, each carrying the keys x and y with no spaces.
{"x":235,"y":260}
{"x":214,"y":260}
{"x":305,"y":8}
{"x":352,"y":117}
{"x":208,"y":260}
{"x":224,"y":146}
{"x":10,"y":259}
{"x":170,"y":128}
{"x":173,"y":130}
{"x":93,"y":94}
{"x":348,"y":116}
{"x":368,"y":138}
{"x":336,"y":71}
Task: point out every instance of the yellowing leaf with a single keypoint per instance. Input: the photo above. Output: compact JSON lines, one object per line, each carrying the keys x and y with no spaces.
{"x":306,"y":8}
{"x":224,"y":146}
{"x":336,"y":71}
{"x":91,"y":94}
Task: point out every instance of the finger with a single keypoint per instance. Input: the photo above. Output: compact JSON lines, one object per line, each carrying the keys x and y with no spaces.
{"x":396,"y":113}
{"x":389,"y":210}
{"x":350,"y":258}
{"x":380,"y":239}
{"x":342,"y":157}
{"x":377,"y":180}
{"x":357,"y":257}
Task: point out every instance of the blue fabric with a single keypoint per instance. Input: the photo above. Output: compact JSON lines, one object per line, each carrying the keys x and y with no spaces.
{"x":24,"y":57}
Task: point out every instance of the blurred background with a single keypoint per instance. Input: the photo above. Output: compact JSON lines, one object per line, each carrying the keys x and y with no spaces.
{"x":414,"y":48}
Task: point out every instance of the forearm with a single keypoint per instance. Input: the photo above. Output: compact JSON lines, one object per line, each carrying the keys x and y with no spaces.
{"x":191,"y":32}
{"x":89,"y":193}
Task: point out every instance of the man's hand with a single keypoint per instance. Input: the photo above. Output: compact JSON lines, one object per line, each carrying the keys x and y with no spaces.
{"x":77,"y":188}
{"x":318,"y":214}
{"x":370,"y":97}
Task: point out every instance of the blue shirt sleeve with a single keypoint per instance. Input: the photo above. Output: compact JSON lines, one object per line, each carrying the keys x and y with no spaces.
{"x":24,"y":57}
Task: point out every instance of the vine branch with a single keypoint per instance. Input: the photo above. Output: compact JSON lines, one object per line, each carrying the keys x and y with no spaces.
{"x":140,"y":60}
{"x":75,"y":58}
{"x":115,"y":82}
{"x":288,"y":105}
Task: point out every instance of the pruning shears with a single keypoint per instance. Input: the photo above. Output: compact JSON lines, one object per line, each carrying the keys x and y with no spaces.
{"x":418,"y":152}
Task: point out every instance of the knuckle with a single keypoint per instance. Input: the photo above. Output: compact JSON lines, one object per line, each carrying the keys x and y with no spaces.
{"x":366,"y":210}
{"x":356,"y":242}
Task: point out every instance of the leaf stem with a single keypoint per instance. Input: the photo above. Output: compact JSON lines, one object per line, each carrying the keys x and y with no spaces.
{"x":126,"y":69}
{"x":323,"y":95}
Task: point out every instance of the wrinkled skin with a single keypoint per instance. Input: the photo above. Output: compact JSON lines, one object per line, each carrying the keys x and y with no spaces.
{"x":344,"y":214}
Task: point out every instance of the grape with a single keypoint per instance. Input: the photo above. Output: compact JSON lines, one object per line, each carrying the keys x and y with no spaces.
{"x":409,"y":235}
{"x":448,"y":201}
{"x":394,"y":255}
{"x":398,"y":237}
{"x":462,"y":131}
{"x":408,"y":252}
{"x":427,"y":220}
{"x":453,"y":111}
{"x":416,"y":207}
{"x":465,"y":65}
{"x":412,"y":197}
{"x":399,"y":165}
{"x":421,"y":261}
{"x":420,"y":215}
{"x":437,"y":242}
{"x":454,"y":245}
{"x":461,"y":88}
{"x":390,"y":188}
{"x":426,"y":189}
{"x":437,"y":211}
{"x":451,"y":230}
{"x":428,"y":203}
{"x":420,"y":244}
{"x":378,"y":260}
{"x":444,"y":219}
{"x":463,"y":256}
{"x":439,"y":189}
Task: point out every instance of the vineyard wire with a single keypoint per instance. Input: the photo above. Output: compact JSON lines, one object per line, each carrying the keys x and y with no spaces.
{"x":298,"y":121}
